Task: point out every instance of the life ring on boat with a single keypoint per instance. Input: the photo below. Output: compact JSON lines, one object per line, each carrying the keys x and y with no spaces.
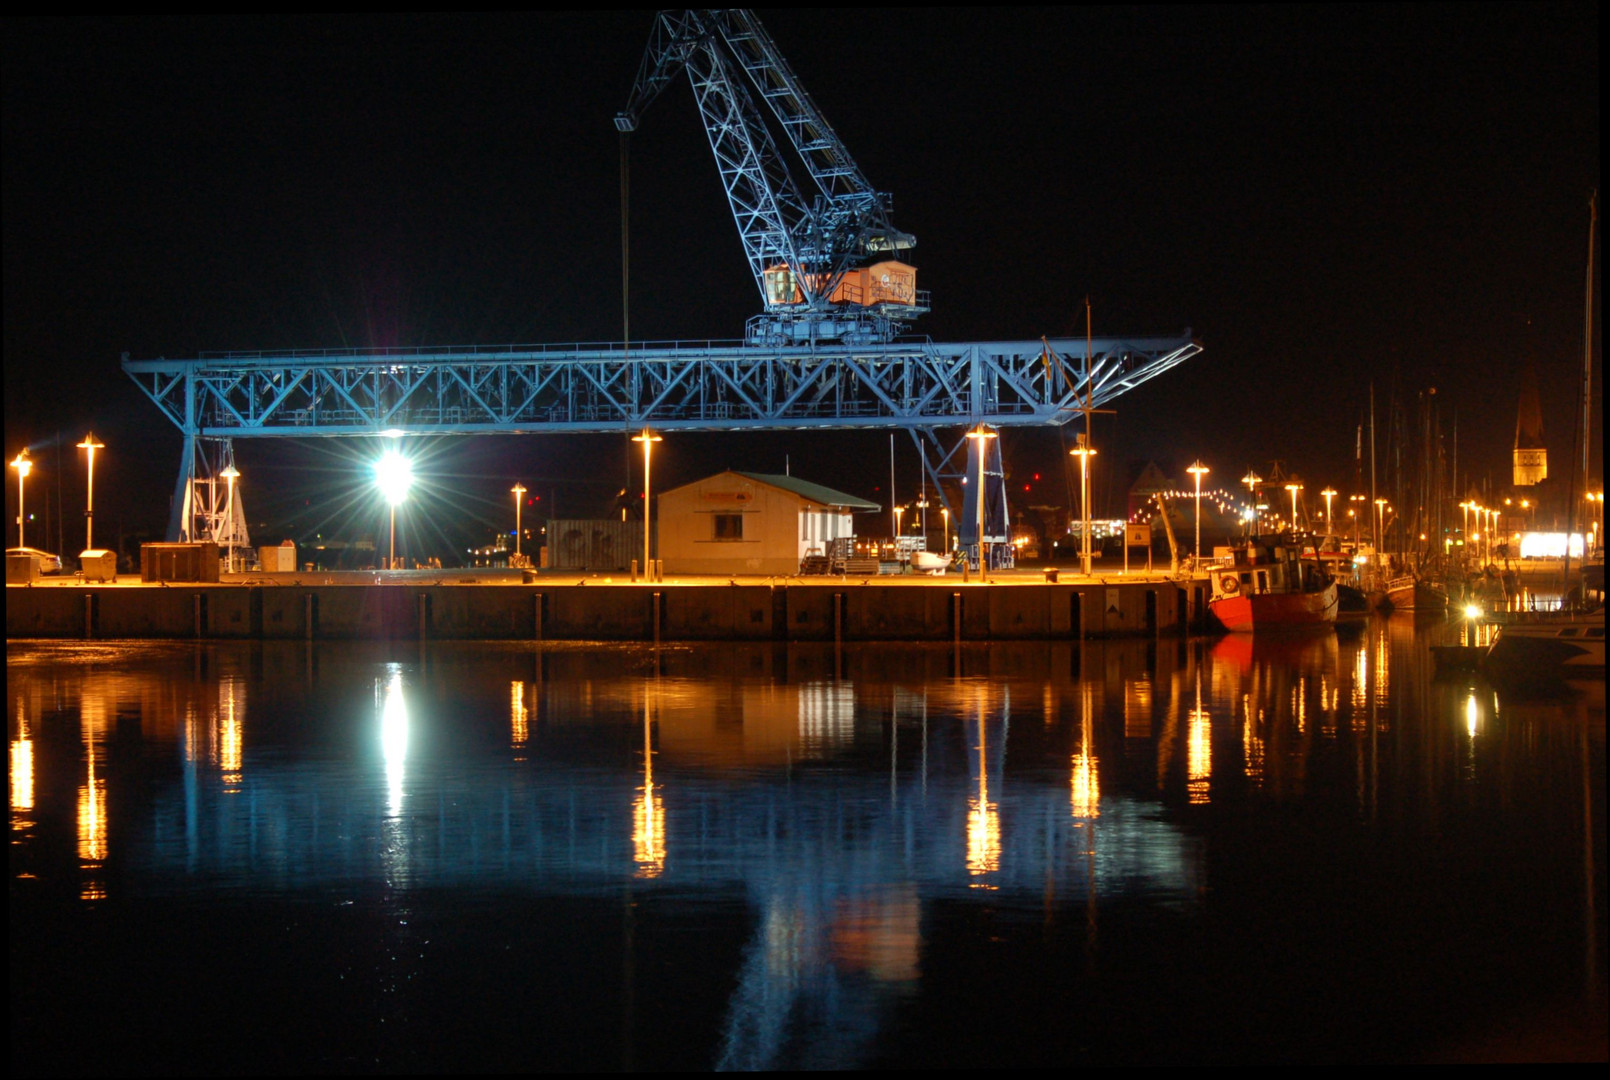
{"x":1229,"y":584}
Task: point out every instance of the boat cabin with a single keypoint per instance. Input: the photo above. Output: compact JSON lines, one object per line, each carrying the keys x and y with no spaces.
{"x":1259,"y":568}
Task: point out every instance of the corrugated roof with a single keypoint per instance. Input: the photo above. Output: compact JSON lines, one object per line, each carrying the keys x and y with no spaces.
{"x":807,"y":490}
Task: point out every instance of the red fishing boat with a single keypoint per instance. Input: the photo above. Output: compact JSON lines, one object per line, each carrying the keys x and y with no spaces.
{"x":1271,"y":585}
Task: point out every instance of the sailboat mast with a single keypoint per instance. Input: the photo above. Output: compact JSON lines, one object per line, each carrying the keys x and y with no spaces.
{"x":1375,"y":512}
{"x":1587,"y":345}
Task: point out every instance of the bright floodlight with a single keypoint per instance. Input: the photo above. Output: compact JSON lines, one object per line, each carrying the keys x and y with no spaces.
{"x":395,"y":475}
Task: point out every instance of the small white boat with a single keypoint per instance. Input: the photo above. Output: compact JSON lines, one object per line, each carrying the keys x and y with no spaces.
{"x":928,"y":562}
{"x":1563,"y":645}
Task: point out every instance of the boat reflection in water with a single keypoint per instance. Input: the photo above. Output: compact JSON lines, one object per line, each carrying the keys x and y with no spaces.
{"x":500,"y":857}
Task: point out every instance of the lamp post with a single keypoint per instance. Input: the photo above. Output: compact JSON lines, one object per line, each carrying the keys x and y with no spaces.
{"x":230,"y":473}
{"x":1197,"y":470}
{"x":648,"y":439}
{"x":1380,"y":519}
{"x":395,"y":475}
{"x":1294,"y":489}
{"x":519,"y":497}
{"x":23,"y":466}
{"x":1084,"y":452}
{"x":1252,"y":480}
{"x":922,"y":517}
{"x":92,"y":444}
{"x":1329,"y":493}
{"x":944,"y":512}
{"x":1353,"y":512}
{"x":898,"y":511}
{"x":981,"y":435}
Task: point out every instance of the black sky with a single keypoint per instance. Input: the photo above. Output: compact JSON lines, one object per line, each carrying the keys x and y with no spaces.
{"x":1325,"y":195}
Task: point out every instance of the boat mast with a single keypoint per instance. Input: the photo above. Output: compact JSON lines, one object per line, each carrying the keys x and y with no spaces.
{"x":1587,"y":412}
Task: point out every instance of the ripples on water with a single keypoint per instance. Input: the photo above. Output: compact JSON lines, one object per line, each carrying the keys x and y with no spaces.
{"x":492,"y":857}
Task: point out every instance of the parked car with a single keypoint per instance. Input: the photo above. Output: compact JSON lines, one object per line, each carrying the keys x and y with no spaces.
{"x":48,"y":563}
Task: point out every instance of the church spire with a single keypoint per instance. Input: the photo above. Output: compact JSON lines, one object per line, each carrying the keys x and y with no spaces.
{"x":1531,"y":456}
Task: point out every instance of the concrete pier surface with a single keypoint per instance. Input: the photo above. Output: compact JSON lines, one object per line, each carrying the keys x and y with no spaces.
{"x":468,"y":605}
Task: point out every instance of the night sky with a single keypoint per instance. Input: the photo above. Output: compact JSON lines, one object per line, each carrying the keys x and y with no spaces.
{"x":1325,"y":196}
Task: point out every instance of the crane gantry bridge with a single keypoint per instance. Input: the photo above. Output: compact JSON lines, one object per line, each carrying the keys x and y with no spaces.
{"x":827,"y":351}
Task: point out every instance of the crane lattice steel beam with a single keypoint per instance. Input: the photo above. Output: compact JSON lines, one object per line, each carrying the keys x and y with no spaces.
{"x":926,"y":388}
{"x":689,"y":386}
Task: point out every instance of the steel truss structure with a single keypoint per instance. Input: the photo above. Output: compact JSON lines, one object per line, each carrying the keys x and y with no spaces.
{"x":935,"y":391}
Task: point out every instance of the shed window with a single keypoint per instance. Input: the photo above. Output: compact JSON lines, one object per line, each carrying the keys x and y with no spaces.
{"x":729,"y":526}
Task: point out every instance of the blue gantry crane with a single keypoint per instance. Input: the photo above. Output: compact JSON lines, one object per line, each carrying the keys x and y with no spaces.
{"x":827,"y":351}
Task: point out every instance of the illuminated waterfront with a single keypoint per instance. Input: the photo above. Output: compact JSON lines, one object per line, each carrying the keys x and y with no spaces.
{"x":347,"y":857}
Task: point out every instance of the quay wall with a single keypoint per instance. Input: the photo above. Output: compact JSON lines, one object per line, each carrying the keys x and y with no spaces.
{"x":639,"y":612}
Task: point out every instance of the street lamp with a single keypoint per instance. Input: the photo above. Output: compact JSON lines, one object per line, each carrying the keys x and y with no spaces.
{"x":1084,"y":453}
{"x":899,"y":510}
{"x":1252,"y":480}
{"x":1353,"y":512}
{"x":1294,"y":489}
{"x":395,"y":475}
{"x":922,"y":516}
{"x":1380,"y":515}
{"x":92,"y":444}
{"x":229,"y":474}
{"x":23,"y":466}
{"x":983,"y":546}
{"x":648,"y":439}
{"x":1197,"y":470}
{"x":944,"y":512}
{"x":519,"y":496}
{"x":1328,"y":494}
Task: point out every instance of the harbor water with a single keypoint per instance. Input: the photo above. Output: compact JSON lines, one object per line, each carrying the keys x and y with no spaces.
{"x":300,"y":857}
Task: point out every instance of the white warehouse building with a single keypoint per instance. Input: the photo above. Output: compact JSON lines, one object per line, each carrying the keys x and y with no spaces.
{"x":751,"y":523}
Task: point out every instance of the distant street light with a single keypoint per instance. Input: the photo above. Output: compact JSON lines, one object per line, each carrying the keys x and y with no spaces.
{"x":92,"y":444}
{"x":1294,"y":489}
{"x":1197,"y":471}
{"x":23,"y":466}
{"x":944,"y":512}
{"x":648,"y":439}
{"x":395,"y":475}
{"x":983,"y":454}
{"x":922,"y":514}
{"x":1084,"y":453}
{"x":897,"y":512}
{"x":1380,"y":514}
{"x":1329,"y":493}
{"x":519,"y":497}
{"x":230,"y":473}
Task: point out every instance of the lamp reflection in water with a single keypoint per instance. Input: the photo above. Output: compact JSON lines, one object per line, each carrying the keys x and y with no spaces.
{"x":519,"y":719}
{"x":983,"y":816}
{"x":1084,"y":784}
{"x":393,"y":736}
{"x":22,"y":774}
{"x":231,"y":704}
{"x":648,"y":813}
{"x":1199,"y":749}
{"x":92,"y":795}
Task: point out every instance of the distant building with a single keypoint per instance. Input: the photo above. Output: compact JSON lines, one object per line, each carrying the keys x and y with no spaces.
{"x":1149,"y":481}
{"x":751,"y":523}
{"x":1531,"y":456}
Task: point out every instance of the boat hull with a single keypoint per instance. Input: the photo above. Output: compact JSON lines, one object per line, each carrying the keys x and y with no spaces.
{"x":1268,"y":611}
{"x":1547,"y":649}
{"x":1420,"y":596}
